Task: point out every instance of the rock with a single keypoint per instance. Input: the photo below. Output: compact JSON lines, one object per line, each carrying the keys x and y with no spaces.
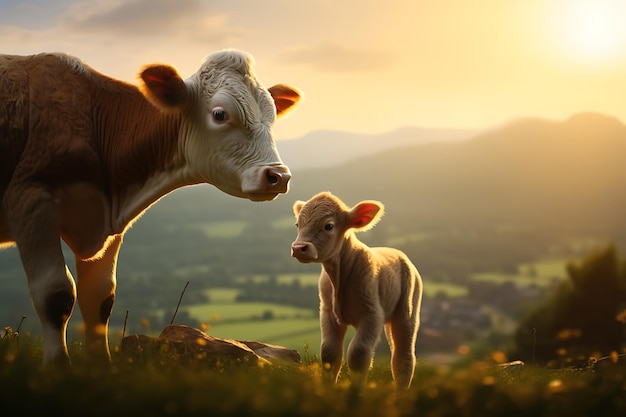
{"x":513,"y":364}
{"x":271,"y":352}
{"x":187,"y":342}
{"x":200,"y":343}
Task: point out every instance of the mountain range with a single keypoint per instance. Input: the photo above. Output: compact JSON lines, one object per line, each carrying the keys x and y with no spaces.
{"x":324,"y":148}
{"x":513,"y":191}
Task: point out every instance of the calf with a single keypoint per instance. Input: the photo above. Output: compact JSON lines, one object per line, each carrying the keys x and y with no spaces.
{"x":368,"y":288}
{"x":83,"y":155}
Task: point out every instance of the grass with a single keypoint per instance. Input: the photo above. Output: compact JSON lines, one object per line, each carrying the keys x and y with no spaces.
{"x":156,"y":385}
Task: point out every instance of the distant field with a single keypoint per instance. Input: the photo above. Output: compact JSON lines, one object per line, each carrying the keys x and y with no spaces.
{"x":222,"y":229}
{"x":539,"y":273}
{"x":286,"y":222}
{"x":554,"y":268}
{"x":432,"y":289}
{"x":292,"y":327}
{"x":222,"y":295}
{"x":291,"y":333}
{"x":298,"y":328}
{"x":287,"y":279}
{"x":216,"y":312}
{"x":401,"y":240}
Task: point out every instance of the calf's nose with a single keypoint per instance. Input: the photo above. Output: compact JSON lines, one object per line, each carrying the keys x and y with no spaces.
{"x":303,"y":251}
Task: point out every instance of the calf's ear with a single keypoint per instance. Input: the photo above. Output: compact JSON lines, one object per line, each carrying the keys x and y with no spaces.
{"x":163,"y":86}
{"x":365,"y":215}
{"x":297,"y":206}
{"x":285,"y":97}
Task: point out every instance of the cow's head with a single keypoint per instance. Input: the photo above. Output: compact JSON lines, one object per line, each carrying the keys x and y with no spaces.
{"x":323,"y":223}
{"x":228,"y":115}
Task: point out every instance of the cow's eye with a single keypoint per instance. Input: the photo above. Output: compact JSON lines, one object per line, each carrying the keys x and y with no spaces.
{"x":329,"y":226}
{"x":220,"y":115}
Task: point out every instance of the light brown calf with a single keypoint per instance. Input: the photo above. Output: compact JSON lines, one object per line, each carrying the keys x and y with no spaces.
{"x":83,"y":155}
{"x":368,"y":288}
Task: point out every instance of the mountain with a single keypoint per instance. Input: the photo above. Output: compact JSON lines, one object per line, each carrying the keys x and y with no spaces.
{"x":531,"y":172}
{"x":527,"y":186}
{"x":536,"y":173}
{"x":527,"y":190}
{"x":504,"y":196}
{"x":322,"y":149}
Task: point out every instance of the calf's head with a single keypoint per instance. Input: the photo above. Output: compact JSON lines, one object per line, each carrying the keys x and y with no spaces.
{"x":324,"y":222}
{"x":226,"y":135}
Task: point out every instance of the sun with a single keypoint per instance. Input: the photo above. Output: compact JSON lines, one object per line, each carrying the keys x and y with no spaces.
{"x":592,"y":31}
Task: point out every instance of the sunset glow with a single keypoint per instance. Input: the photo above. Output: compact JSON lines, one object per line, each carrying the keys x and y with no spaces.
{"x":593,"y":31}
{"x":363,"y":66}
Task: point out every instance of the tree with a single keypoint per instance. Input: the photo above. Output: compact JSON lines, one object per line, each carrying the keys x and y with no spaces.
{"x":580,"y":319}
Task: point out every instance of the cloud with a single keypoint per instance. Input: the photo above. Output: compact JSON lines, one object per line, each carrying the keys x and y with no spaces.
{"x":188,"y":19}
{"x":336,"y":57}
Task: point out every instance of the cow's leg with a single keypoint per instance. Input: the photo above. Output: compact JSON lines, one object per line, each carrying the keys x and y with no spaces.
{"x":33,"y":217}
{"x":403,"y":333}
{"x":362,"y":346}
{"x":96,"y":293}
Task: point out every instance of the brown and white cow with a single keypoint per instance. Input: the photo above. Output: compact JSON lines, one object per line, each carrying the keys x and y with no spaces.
{"x":368,"y":288}
{"x":83,"y":155}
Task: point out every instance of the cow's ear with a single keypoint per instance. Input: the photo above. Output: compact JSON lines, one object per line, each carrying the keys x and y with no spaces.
{"x":163,"y":86}
{"x":297,"y":206}
{"x":285,"y":97}
{"x":365,"y":215}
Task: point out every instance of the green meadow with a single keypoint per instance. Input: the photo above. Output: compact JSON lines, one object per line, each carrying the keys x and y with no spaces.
{"x":298,"y":328}
{"x":164,"y":384}
{"x":292,"y":327}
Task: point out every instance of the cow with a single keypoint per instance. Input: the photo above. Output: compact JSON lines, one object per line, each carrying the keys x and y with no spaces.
{"x":367,"y":288}
{"x":83,"y":155}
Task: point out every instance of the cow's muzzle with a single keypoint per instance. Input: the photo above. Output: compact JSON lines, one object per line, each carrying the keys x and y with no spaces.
{"x":265,"y":182}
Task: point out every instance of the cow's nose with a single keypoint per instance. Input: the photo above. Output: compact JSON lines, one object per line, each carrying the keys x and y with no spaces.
{"x":277,"y":177}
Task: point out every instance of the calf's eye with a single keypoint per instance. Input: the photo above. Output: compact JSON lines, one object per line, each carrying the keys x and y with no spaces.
{"x":329,"y":226}
{"x":220,"y":115}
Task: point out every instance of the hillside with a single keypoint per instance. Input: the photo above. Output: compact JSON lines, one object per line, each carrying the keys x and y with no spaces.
{"x":531,"y":176}
{"x":526,"y":191}
{"x":322,"y":149}
{"x":542,"y":182}
{"x":531,"y":172}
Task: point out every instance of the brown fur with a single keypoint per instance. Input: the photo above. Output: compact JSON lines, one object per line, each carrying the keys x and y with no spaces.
{"x":83,"y":155}
{"x":367,"y":288}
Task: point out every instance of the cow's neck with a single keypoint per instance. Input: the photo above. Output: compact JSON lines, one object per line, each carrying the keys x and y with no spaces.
{"x":139,"y":143}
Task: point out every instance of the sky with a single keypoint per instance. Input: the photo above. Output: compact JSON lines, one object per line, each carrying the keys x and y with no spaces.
{"x":363,"y":66}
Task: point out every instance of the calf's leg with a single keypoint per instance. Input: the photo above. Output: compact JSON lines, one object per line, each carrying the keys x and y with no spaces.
{"x":331,"y":350}
{"x":96,"y":294}
{"x":402,"y":333}
{"x":363,"y":345}
{"x":332,"y":332}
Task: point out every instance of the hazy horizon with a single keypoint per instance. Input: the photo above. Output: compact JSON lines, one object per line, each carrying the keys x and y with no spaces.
{"x":364,"y":67}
